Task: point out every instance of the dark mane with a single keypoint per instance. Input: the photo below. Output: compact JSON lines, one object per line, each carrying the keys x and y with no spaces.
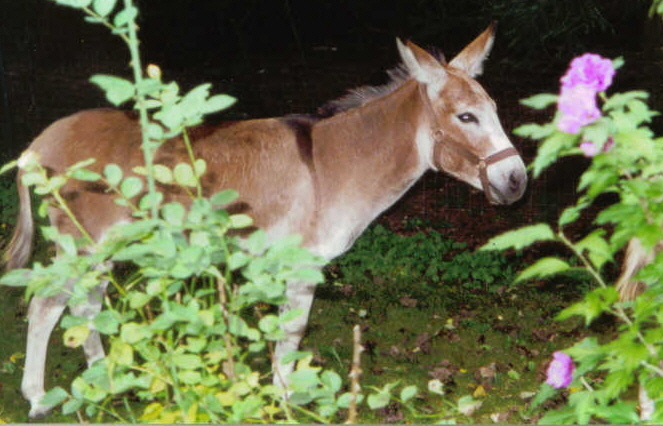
{"x":361,"y":95}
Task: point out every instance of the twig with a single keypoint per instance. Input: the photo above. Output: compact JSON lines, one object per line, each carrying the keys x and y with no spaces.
{"x":355,"y":373}
{"x":221,"y":288}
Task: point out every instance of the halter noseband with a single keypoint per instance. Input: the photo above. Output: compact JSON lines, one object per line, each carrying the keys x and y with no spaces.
{"x":481,"y":163}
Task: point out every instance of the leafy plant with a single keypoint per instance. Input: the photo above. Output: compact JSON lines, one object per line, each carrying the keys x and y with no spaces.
{"x":380,"y":255}
{"x":627,"y":160}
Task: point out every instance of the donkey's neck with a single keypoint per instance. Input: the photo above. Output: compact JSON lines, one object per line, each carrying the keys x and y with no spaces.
{"x":365,"y":159}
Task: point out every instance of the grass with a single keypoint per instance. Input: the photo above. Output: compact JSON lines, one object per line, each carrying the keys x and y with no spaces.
{"x":428,"y":309}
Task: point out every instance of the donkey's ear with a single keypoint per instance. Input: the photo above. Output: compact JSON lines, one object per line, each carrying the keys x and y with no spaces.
{"x":471,"y":58}
{"x":420,"y":64}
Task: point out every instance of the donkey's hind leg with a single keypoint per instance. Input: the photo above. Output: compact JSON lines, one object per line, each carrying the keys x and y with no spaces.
{"x":300,"y":297}
{"x":92,"y":346}
{"x":43,"y":314}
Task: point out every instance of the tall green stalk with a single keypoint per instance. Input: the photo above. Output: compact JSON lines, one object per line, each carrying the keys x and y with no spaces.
{"x":146,"y":145}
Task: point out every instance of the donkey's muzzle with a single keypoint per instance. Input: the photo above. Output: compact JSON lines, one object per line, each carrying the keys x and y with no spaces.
{"x":506,"y":181}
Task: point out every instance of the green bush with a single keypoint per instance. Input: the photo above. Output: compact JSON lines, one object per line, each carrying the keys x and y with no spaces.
{"x":381,"y":255}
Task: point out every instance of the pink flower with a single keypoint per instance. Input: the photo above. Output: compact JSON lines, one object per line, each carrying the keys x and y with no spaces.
{"x":560,"y":370}
{"x":590,"y":149}
{"x":578,"y":107}
{"x":590,"y":70}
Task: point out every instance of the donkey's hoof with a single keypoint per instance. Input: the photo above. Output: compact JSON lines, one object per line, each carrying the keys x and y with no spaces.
{"x":38,"y":410}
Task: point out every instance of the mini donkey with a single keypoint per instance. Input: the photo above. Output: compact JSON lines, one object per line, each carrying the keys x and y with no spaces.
{"x":325,"y":178}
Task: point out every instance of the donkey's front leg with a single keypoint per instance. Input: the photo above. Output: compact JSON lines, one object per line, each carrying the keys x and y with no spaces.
{"x":300,"y":296}
{"x":43,"y":314}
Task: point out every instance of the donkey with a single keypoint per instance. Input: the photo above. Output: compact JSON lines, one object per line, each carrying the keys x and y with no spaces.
{"x":325,"y":178}
{"x":636,"y":258}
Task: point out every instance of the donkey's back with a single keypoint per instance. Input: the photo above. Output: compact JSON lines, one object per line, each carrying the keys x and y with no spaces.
{"x":266,"y":160}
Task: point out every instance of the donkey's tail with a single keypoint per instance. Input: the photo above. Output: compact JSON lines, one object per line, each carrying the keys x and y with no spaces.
{"x":19,"y":248}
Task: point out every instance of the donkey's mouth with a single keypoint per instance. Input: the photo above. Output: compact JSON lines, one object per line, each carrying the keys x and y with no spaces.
{"x":509,"y":195}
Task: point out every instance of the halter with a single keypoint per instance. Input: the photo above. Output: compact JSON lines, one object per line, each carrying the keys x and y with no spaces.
{"x":481,"y":163}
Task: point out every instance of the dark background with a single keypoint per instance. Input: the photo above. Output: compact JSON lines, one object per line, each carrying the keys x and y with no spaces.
{"x":290,"y":56}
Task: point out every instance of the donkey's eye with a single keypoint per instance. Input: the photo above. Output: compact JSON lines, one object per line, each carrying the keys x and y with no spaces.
{"x":468,"y":117}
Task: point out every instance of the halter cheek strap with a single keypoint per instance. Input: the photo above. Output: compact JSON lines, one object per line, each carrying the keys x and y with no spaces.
{"x":481,"y":163}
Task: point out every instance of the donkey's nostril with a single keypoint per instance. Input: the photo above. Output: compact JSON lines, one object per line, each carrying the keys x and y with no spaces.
{"x":514,"y":181}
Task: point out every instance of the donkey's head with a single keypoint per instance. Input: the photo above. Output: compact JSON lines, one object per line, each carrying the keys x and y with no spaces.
{"x":463,"y":135}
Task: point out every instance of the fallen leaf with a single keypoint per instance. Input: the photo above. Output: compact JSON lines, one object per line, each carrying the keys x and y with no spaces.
{"x":527,"y":395}
{"x":500,"y":417}
{"x":442,"y":374}
{"x":391,"y":413}
{"x":468,"y":405}
{"x":423,"y":342}
{"x":479,"y":391}
{"x":408,"y":302}
{"x":486,"y":374}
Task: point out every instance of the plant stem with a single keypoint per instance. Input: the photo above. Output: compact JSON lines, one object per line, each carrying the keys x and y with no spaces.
{"x":355,"y":373}
{"x":146,"y":144}
{"x":617,"y":310}
{"x":192,"y":160}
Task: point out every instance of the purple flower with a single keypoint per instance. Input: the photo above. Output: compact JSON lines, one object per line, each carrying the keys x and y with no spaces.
{"x":590,"y":70}
{"x":560,"y":370}
{"x":578,"y":107}
{"x":590,"y":149}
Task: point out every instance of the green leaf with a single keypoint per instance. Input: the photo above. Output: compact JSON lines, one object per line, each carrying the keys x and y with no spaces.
{"x":131,"y":186}
{"x":16,"y":278}
{"x":189,"y":377}
{"x":132,"y":332}
{"x":170,"y":116}
{"x":138,"y":299}
{"x":67,"y":244}
{"x":378,"y":400}
{"x":86,"y":175}
{"x":199,"y":167}
{"x":125,"y":16}
{"x":520,"y":238}
{"x":238,"y":221}
{"x":106,"y":323}
{"x":294,"y":356}
{"x":72,"y":406}
{"x":113,"y":174}
{"x":597,"y":248}
{"x":621,"y":100}
{"x":103,"y":7}
{"x":572,"y":213}
{"x":8,"y":166}
{"x":594,"y":304}
{"x":184,"y":175}
{"x":121,"y":353}
{"x":408,"y":393}
{"x":545,"y":393}
{"x":54,"y":397}
{"x":187,"y":361}
{"x":543,"y":268}
{"x":540,"y":101}
{"x":551,"y":149}
{"x":75,"y":336}
{"x":218,"y":103}
{"x":534,"y":131}
{"x":331,"y":380}
{"x":173,"y":213}
{"x":163,"y":174}
{"x":224,"y":197}
{"x":256,"y":242}
{"x":118,"y":90}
